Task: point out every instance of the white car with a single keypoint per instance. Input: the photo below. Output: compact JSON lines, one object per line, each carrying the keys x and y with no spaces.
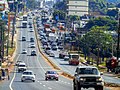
{"x":31,"y":30}
{"x":22,"y":67}
{"x":32,"y":45}
{"x":28,"y":75}
{"x":24,"y":51}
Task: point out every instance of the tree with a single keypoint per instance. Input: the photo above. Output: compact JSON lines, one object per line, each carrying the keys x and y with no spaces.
{"x":111,"y":24}
{"x":113,"y":12}
{"x":96,"y":41}
{"x":74,"y":17}
{"x":60,"y":14}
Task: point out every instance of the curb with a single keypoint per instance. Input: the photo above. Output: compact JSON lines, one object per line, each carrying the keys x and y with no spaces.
{"x":50,"y":62}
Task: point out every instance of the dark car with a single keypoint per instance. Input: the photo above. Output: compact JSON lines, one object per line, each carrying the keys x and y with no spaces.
{"x":31,"y":39}
{"x":30,"y":26}
{"x":51,"y":75}
{"x":23,"y":38}
{"x":87,"y":77}
{"x":33,"y":53}
{"x":60,"y":47}
{"x":54,"y":48}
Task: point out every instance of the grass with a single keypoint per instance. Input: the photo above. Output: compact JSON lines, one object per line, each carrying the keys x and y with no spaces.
{"x":11,"y":51}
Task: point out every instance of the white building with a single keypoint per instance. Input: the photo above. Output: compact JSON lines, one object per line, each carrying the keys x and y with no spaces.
{"x":77,"y":7}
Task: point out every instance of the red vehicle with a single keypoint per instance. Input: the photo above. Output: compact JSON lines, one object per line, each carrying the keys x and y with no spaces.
{"x":112,"y":64}
{"x":74,"y":59}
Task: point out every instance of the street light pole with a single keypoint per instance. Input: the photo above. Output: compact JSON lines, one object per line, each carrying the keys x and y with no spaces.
{"x":13,"y":31}
{"x":118,"y":47}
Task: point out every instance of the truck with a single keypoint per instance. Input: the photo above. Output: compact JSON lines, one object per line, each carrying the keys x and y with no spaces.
{"x":74,"y":58}
{"x":87,"y":77}
{"x":24,"y":24}
{"x":113,"y":65}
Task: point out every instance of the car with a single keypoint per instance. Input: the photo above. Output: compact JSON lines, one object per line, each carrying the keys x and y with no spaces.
{"x":30,"y":26}
{"x":24,"y":51}
{"x":48,"y":51}
{"x":51,"y":75}
{"x":32,"y":45}
{"x":87,"y":77}
{"x":31,"y":30}
{"x":17,"y":62}
{"x":33,"y":53}
{"x":22,"y":67}
{"x":31,"y":39}
{"x":28,"y":75}
{"x":60,"y":47}
{"x":51,"y":54}
{"x":54,"y":48}
{"x":66,"y":58}
{"x":62,"y":54}
{"x":23,"y":38}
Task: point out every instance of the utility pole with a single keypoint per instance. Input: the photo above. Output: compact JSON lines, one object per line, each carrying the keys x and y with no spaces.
{"x":118,"y":47}
{"x":1,"y":42}
{"x":14,"y":20}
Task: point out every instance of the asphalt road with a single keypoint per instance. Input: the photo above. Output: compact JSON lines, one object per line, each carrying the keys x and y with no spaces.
{"x":36,"y":64}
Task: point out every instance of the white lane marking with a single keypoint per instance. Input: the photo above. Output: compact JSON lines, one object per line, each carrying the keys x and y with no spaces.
{"x":37,"y":81}
{"x":65,"y":82}
{"x":44,"y":86}
{"x":68,"y":83}
{"x":49,"y":88}
{"x":10,"y":85}
{"x":40,"y":83}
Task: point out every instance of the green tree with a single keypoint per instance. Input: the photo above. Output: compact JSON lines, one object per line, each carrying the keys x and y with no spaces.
{"x":111,"y":24}
{"x":74,"y":17}
{"x":60,"y":14}
{"x":113,"y":12}
{"x":96,"y":40}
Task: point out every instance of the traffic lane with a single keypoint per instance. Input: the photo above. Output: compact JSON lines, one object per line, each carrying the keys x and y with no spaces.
{"x":64,"y":65}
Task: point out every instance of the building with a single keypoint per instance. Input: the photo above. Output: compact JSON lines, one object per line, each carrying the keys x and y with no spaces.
{"x":77,"y":7}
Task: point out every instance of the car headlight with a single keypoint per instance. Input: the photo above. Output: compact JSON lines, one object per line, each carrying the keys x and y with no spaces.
{"x":99,"y":79}
{"x":82,"y":79}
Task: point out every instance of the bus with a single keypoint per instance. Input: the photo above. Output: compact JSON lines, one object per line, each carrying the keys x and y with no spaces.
{"x":74,"y":58}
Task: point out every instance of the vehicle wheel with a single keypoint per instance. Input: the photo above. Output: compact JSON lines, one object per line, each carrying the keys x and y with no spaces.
{"x":22,"y":81}
{"x":56,"y":79}
{"x":46,"y":79}
{"x":33,"y":80}
{"x":78,"y":87}
{"x":74,"y":86}
{"x":99,"y":88}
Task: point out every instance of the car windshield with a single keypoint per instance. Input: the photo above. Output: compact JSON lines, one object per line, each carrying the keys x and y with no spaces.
{"x":28,"y":73}
{"x":21,"y":65}
{"x":74,"y":56}
{"x":51,"y":72}
{"x":88,"y":71}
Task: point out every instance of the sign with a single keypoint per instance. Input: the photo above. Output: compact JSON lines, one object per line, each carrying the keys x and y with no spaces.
{"x":2,"y":7}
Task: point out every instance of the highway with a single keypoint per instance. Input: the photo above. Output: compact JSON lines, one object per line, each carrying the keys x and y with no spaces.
{"x":36,"y":64}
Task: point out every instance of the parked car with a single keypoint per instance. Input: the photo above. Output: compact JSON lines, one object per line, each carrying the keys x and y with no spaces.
{"x":28,"y":75}
{"x":31,"y":30}
{"x":33,"y":53}
{"x":47,"y":52}
{"x":52,"y":75}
